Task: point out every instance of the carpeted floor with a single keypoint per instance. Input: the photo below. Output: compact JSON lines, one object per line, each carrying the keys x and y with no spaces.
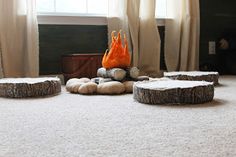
{"x":70,"y":125}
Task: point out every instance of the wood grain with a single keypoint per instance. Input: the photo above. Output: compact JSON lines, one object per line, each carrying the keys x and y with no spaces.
{"x":194,"y":76}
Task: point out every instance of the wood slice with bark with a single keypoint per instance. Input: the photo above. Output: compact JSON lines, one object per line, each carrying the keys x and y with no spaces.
{"x":194,"y":76}
{"x":29,"y":87}
{"x":173,"y":92}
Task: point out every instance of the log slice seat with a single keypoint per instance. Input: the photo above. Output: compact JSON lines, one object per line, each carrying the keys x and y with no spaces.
{"x":194,"y":76}
{"x":173,"y":92}
{"x":29,"y":87}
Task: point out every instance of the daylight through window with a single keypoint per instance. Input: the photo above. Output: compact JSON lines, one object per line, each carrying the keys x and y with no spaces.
{"x":86,"y":7}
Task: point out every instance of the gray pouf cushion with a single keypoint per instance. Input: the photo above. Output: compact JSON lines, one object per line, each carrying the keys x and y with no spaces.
{"x":29,"y":87}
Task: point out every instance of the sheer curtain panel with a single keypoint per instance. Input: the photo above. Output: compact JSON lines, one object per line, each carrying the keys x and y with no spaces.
{"x":19,"y":38}
{"x":182,"y":35}
{"x":137,"y":19}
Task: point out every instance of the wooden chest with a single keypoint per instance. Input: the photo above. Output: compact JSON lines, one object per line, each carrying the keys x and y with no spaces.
{"x":81,"y":65}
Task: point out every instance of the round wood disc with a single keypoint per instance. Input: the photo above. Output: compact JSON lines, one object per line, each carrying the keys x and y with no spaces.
{"x":173,"y":92}
{"x":29,"y":87}
{"x":194,"y":76}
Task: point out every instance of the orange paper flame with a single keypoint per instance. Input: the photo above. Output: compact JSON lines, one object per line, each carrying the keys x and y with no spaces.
{"x":118,"y":56}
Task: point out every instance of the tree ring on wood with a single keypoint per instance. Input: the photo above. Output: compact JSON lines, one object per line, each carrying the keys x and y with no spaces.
{"x":194,"y":76}
{"x":29,"y":87}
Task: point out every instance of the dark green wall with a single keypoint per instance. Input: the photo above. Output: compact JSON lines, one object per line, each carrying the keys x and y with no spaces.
{"x":162,"y":57}
{"x":217,"y":17}
{"x":57,"y":40}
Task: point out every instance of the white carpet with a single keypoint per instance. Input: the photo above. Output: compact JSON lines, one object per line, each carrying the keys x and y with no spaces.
{"x":70,"y":125}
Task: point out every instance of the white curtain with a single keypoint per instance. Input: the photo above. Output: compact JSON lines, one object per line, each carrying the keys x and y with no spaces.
{"x":1,"y":70}
{"x":18,"y":38}
{"x":182,"y":35}
{"x":137,"y":19}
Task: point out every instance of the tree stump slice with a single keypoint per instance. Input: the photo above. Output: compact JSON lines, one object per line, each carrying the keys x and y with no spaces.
{"x":29,"y":87}
{"x":173,"y":92}
{"x":194,"y":76}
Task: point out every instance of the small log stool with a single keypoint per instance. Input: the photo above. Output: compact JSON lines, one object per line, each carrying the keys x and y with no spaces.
{"x":173,"y":92}
{"x":29,"y":87}
{"x":194,"y":76}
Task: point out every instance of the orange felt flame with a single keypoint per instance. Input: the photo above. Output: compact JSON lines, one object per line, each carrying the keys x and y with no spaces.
{"x":118,"y":56}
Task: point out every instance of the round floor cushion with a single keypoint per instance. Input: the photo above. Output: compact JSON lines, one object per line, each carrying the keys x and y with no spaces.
{"x":194,"y":76}
{"x":29,"y":87}
{"x":173,"y":92}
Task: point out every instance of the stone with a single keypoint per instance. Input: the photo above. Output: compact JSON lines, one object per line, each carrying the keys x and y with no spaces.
{"x":72,"y":85}
{"x":128,"y":86}
{"x":142,"y":78}
{"x":113,"y":87}
{"x":88,"y":88}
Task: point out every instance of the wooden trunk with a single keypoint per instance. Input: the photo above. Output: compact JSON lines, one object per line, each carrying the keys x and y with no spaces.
{"x":81,"y":65}
{"x":29,"y":87}
{"x":173,"y":92}
{"x":194,"y":76}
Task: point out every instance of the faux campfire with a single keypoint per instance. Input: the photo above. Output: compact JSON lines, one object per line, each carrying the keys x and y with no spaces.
{"x":115,"y":76}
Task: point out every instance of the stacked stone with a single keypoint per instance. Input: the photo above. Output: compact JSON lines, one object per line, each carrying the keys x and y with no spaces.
{"x":118,"y":74}
{"x":108,"y":81}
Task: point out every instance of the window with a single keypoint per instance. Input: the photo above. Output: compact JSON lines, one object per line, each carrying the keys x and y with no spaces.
{"x":86,"y":7}
{"x":80,"y":7}
{"x":161,"y":8}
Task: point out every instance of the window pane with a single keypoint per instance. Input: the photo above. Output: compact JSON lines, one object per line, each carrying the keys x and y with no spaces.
{"x":98,"y":7}
{"x":71,"y":6}
{"x":161,"y":6}
{"x":45,"y":5}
